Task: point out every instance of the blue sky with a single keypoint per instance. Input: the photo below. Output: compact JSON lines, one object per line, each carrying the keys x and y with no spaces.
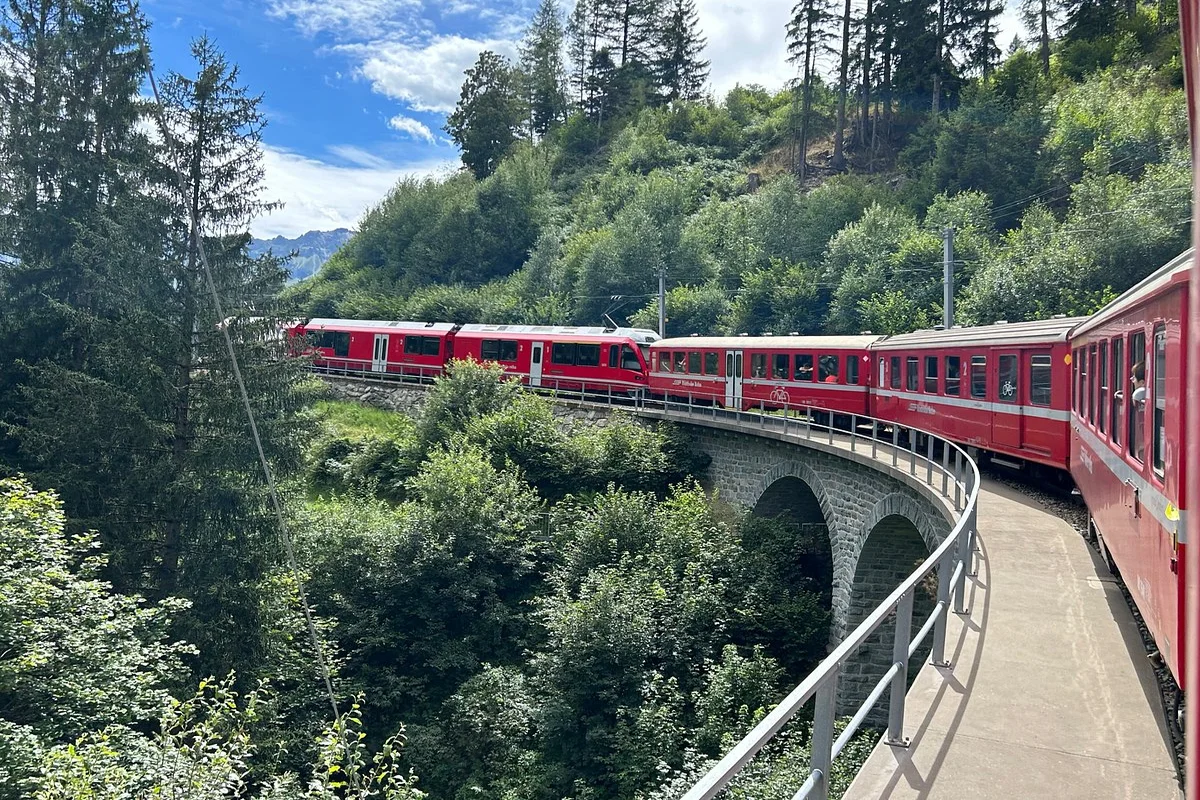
{"x":356,"y":91}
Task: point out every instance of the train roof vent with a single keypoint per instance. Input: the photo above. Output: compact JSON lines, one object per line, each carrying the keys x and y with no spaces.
{"x":767,"y":333}
{"x":743,"y":334}
{"x":794,"y":333}
{"x":1000,"y":322}
{"x":866,"y":333}
{"x":939,"y":327}
{"x":428,"y":324}
{"x":693,"y":334}
{"x":1058,"y":316}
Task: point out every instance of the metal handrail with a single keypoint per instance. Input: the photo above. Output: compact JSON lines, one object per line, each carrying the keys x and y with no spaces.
{"x":952,"y":559}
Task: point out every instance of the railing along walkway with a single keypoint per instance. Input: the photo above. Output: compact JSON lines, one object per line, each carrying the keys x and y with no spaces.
{"x":936,"y":467}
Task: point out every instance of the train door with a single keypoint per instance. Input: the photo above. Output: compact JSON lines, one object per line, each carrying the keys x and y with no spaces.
{"x":535,"y":364}
{"x":733,"y":379}
{"x":1006,"y":411}
{"x":380,"y":354}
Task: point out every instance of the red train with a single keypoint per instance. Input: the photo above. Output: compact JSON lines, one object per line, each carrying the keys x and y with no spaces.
{"x":570,"y":358}
{"x":1099,"y":398}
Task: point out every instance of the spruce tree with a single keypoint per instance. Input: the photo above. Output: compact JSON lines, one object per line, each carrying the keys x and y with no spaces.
{"x":681,"y":72}
{"x":1040,"y":18}
{"x":217,"y":537}
{"x":542,"y":66}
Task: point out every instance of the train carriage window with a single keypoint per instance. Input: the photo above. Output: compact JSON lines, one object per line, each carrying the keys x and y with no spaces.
{"x":1039,"y":379}
{"x":433,"y":346}
{"x":337,"y":341}
{"x":852,"y":370}
{"x":664,"y":361}
{"x":979,"y":377}
{"x":828,"y":369}
{"x":1118,"y":387}
{"x":779,"y":366}
{"x":680,"y":361}
{"x":758,"y":365}
{"x":882,"y":376}
{"x":1075,"y":380}
{"x":953,"y":365}
{"x":1102,"y":379}
{"x":1091,"y":383}
{"x":508,"y":350}
{"x":804,"y":367}
{"x":1136,"y":386}
{"x":911,"y":367}
{"x":894,"y":380}
{"x":562,"y":353}
{"x":931,"y":374}
{"x":629,"y":359}
{"x":1160,"y":398}
{"x":1007,"y":388}
{"x":1083,"y":383}
{"x":711,"y":363}
{"x":694,"y":362}
{"x":614,"y":355}
{"x":489,"y":349}
{"x":413,"y":345}
{"x":587,"y":355}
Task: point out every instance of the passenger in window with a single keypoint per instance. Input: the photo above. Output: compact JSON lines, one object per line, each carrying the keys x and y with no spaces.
{"x":1139,"y":383}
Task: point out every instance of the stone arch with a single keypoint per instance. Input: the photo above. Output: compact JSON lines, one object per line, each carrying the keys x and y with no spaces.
{"x":794,"y":493}
{"x":893,"y":547}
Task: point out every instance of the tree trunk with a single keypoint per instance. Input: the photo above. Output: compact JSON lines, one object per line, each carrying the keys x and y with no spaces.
{"x":868,"y":31}
{"x":937,"y":64}
{"x":1044,"y":45}
{"x":806,"y":107}
{"x":839,"y":159}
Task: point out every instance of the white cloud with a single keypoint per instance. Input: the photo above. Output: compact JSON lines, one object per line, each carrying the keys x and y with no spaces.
{"x":426,"y":77}
{"x":347,"y":19}
{"x":413,"y":128}
{"x":322,"y":196}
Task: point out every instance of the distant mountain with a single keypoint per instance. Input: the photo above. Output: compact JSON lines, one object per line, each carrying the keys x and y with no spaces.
{"x":313,"y":249}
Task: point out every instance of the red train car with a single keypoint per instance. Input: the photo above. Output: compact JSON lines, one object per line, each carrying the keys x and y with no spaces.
{"x":571,"y":358}
{"x":1004,"y":389}
{"x":353,"y":345}
{"x":1128,"y":436}
{"x":771,"y":372}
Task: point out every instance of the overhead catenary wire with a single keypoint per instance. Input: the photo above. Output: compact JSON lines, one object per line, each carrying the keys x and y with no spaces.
{"x":272,"y":489}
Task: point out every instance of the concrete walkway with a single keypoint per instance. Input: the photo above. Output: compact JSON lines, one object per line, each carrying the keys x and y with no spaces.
{"x":1049,"y":695}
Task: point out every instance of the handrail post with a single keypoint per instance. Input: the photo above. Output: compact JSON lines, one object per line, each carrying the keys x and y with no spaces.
{"x":957,"y":481}
{"x":853,"y":428}
{"x":689,"y":404}
{"x":912,"y":451}
{"x":829,"y":425}
{"x":904,"y":612}
{"x":964,"y":555}
{"x":822,"y":735}
{"x":973,"y":528}
{"x":945,"y":573}
{"x":874,"y":438}
{"x":895,"y":444}
{"x":929,"y":462}
{"x":786,"y":414}
{"x":807,"y":423}
{"x":945,"y":468}
{"x":762,"y":418}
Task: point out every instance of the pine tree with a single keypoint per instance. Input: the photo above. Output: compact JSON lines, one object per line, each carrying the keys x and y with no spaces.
{"x":632,"y":26}
{"x":839,"y":159}
{"x":1040,"y":17}
{"x":681,"y":72}
{"x":973,"y":33}
{"x":488,"y":114}
{"x":808,"y":34}
{"x":542,"y":65}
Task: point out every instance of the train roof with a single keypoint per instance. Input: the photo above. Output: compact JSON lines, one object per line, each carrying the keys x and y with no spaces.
{"x":768,"y":342}
{"x":378,"y":325}
{"x":1174,"y":270}
{"x":640,"y":335}
{"x":1041,"y":331}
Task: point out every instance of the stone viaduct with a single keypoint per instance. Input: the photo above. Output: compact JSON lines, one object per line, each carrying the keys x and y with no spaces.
{"x":880,"y":522}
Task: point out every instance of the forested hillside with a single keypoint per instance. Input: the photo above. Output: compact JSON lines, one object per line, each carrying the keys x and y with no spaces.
{"x":596,"y":161}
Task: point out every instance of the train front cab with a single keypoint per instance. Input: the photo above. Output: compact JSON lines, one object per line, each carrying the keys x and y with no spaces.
{"x":1127,"y":454}
{"x":1004,"y":389}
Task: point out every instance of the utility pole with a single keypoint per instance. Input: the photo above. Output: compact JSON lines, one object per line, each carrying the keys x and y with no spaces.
{"x":948,"y":277}
{"x":662,"y":301}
